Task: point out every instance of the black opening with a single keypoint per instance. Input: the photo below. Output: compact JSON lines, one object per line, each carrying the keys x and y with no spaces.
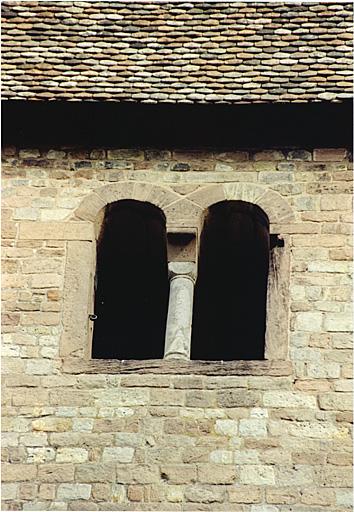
{"x":231,"y":291}
{"x":131,"y":283}
{"x":131,"y":125}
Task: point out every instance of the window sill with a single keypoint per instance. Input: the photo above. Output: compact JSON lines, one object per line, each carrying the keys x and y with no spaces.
{"x":160,"y":366}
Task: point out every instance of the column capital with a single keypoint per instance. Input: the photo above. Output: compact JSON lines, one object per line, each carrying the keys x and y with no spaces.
{"x":182,"y":269}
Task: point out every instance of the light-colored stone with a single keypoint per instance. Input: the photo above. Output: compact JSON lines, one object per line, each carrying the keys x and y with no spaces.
{"x":56,"y":231}
{"x":76,"y":455}
{"x":288,"y":399}
{"x":124,"y":454}
{"x":257,"y":475}
{"x":74,"y":491}
{"x":253,"y":428}
{"x":180,"y":310}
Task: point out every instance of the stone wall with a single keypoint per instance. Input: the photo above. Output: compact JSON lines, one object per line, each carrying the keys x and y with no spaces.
{"x":258,"y":441}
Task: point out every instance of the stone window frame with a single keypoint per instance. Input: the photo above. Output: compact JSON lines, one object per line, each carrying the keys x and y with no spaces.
{"x":184,"y":210}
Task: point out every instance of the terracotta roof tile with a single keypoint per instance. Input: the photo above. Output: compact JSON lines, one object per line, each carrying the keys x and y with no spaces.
{"x":177,"y":52}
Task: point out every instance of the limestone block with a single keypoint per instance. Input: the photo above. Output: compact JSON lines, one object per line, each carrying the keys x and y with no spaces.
{"x":74,"y":491}
{"x":288,"y":399}
{"x":253,"y":428}
{"x":52,"y":424}
{"x":222,"y":457}
{"x":75,"y":455}
{"x":9,"y":491}
{"x":216,"y":474}
{"x":204,"y":494}
{"x":93,"y":472}
{"x":336,"y":401}
{"x":18,"y":472}
{"x":122,"y":397}
{"x":56,"y":231}
{"x":338,"y":322}
{"x":119,"y":454}
{"x":179,"y":474}
{"x":52,"y":473}
{"x":46,"y":280}
{"x":77,"y":298}
{"x":40,"y":455}
{"x":257,"y":475}
{"x":226,"y":427}
{"x":309,"y":321}
{"x":237,"y":398}
{"x":174,"y":493}
{"x":245,"y":494}
{"x":344,"y":497}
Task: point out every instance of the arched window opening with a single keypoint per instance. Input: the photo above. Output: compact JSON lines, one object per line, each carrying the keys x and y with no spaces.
{"x":131,"y":285}
{"x":229,"y":318}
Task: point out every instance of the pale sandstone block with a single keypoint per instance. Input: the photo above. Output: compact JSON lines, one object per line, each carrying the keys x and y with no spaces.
{"x":78,"y":291}
{"x":75,"y":455}
{"x":9,"y":491}
{"x":216,"y":474}
{"x":179,"y":474}
{"x":40,"y":366}
{"x":245,"y":494}
{"x":336,"y":202}
{"x":122,"y":397}
{"x":282,"y":496}
{"x":246,"y":457}
{"x":40,"y":455}
{"x":174,"y":494}
{"x":93,"y":472}
{"x":316,"y":430}
{"x":39,"y":318}
{"x":47,"y":491}
{"x":308,"y":321}
{"x":39,"y":265}
{"x":38,"y":439}
{"x":257,"y":475}
{"x":336,"y":401}
{"x":334,"y":476}
{"x":124,"y":454}
{"x":253,"y":428}
{"x":226,"y":427}
{"x":82,"y":424}
{"x":56,"y":231}
{"x":18,"y":472}
{"x":52,"y":424}
{"x":294,"y":475}
{"x":221,"y":457}
{"x":46,"y":280}
{"x":323,"y":370}
{"x":338,"y":322}
{"x":204,"y":494}
{"x":74,"y":491}
{"x":288,"y":399}
{"x":52,"y":473}
{"x":344,"y":497}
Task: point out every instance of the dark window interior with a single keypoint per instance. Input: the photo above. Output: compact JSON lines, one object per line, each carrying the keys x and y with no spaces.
{"x":231,"y":290}
{"x":132,"y":287}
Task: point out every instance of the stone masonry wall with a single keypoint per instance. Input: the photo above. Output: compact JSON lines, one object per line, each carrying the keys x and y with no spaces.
{"x":250,"y":443}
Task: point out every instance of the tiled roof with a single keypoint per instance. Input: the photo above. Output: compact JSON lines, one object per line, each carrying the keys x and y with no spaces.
{"x":177,"y":52}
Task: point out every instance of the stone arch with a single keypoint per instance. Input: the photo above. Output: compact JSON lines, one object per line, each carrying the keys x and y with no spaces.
{"x":273,"y":204}
{"x":185,"y":210}
{"x":178,"y":209}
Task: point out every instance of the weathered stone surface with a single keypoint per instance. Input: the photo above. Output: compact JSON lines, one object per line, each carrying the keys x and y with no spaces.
{"x":56,"y":231}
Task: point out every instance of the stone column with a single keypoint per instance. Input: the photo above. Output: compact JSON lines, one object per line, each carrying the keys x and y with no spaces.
{"x":180,"y":310}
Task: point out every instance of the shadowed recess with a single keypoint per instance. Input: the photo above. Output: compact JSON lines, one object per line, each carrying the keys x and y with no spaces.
{"x":231,"y":290}
{"x":131,"y":283}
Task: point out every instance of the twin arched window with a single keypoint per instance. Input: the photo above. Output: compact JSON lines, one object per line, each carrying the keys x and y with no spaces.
{"x":132,"y":286}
